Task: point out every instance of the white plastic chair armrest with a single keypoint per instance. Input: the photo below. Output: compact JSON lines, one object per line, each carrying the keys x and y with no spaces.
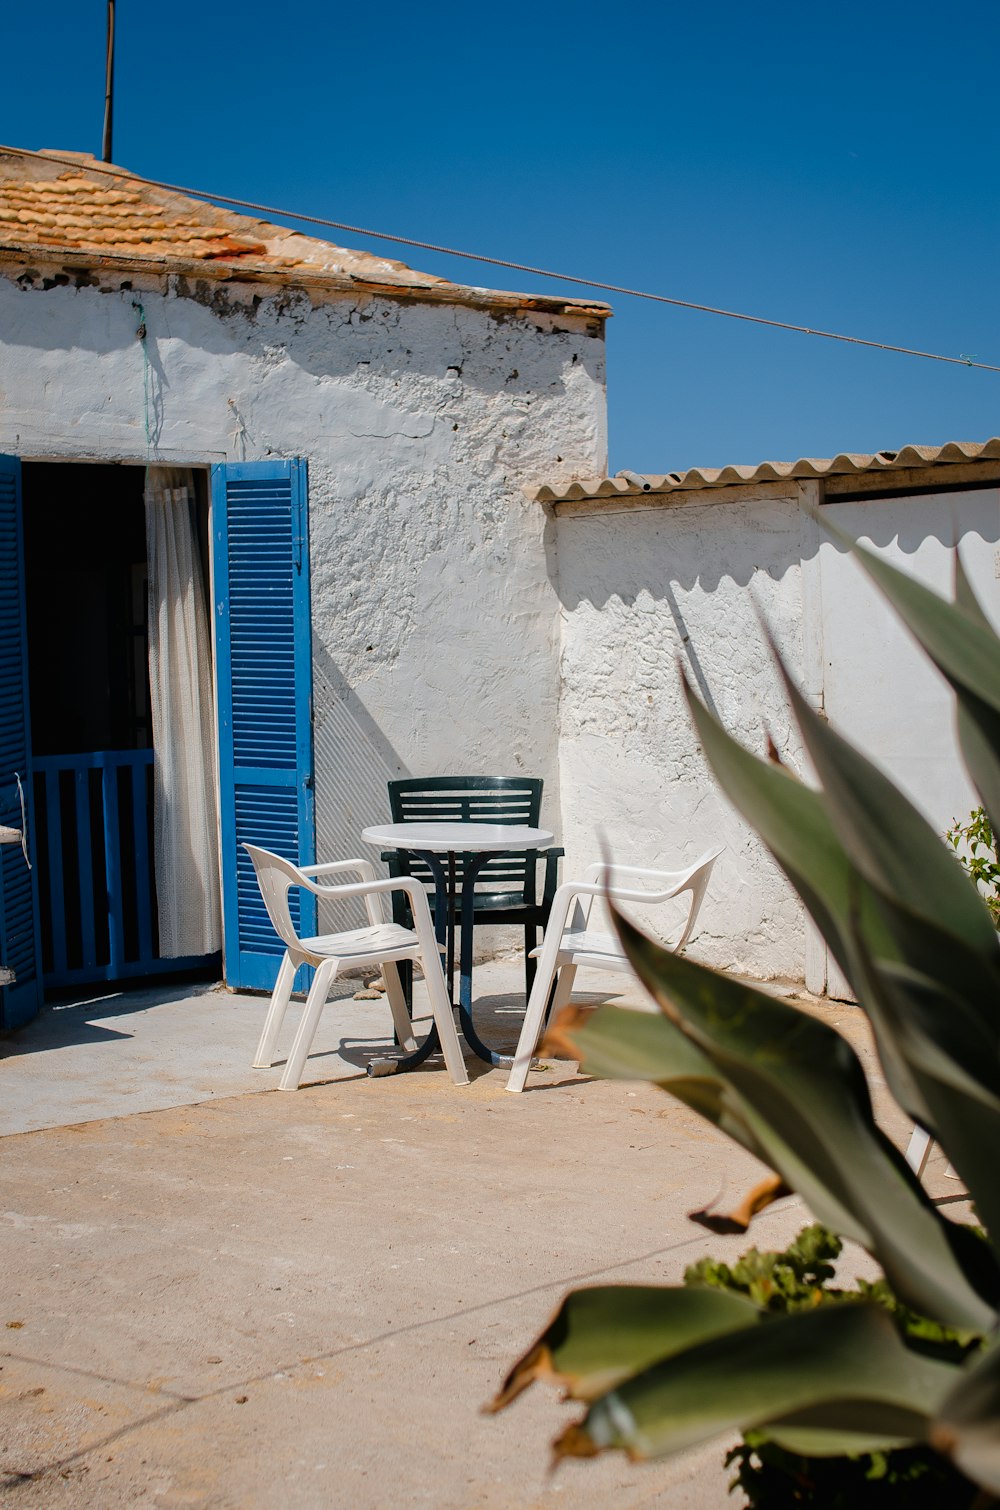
{"x":364,"y":868}
{"x":616,"y":893}
{"x":365,"y":888}
{"x":671,"y":881}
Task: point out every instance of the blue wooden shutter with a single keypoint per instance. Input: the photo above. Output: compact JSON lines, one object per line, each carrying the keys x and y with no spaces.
{"x":264,"y":674}
{"x":20,"y":944}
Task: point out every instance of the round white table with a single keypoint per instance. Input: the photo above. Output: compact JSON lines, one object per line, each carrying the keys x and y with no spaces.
{"x":438,"y":844}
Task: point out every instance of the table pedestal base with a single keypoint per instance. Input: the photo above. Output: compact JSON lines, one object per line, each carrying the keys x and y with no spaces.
{"x":444,"y":927}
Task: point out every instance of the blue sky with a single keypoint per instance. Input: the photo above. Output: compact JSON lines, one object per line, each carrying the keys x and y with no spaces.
{"x":829,"y":165}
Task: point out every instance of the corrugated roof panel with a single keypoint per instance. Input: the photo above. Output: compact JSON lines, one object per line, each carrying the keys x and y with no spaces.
{"x":634,"y":485}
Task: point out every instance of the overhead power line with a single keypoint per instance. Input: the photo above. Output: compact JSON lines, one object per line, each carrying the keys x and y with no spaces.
{"x":519,"y":267}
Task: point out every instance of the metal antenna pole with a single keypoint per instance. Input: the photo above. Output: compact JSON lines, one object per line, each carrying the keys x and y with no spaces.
{"x":109,"y":87}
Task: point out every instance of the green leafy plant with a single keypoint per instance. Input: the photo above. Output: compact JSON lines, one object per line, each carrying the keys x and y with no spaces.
{"x":912,"y":1478}
{"x":659,"y":1369}
{"x":975,"y":844}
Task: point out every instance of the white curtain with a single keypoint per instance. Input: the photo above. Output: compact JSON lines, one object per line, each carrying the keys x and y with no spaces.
{"x":185,"y":795}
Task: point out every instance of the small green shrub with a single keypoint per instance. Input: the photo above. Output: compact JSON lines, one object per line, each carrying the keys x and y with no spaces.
{"x":912,"y":1478}
{"x":976,"y":846}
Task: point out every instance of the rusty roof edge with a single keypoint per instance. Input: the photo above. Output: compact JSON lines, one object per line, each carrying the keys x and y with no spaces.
{"x":635,"y":485}
{"x":246,"y":270}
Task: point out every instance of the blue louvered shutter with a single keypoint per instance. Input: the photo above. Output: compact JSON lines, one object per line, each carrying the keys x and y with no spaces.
{"x":264,"y":675}
{"x":20,"y":944}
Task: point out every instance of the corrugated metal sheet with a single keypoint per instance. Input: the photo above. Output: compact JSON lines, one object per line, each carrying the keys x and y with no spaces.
{"x":847,"y":464}
{"x":68,"y":208}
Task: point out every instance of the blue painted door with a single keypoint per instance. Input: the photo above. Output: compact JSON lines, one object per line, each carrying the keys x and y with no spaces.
{"x":20,"y":944}
{"x":263,"y":643}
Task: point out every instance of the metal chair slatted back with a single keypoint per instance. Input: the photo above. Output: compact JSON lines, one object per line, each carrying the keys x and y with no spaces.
{"x":506,"y":887}
{"x":474,"y":799}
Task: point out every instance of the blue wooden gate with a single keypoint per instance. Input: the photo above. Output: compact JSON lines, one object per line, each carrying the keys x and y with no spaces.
{"x":98,"y":897}
{"x":263,"y":658}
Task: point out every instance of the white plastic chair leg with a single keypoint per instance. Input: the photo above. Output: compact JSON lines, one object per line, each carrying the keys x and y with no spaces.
{"x":530,"y":1029}
{"x":534,"y":1014}
{"x":264,"y":1057}
{"x":918,"y":1150}
{"x":564,"y":990}
{"x":313,"y":1011}
{"x":397,"y":1003}
{"x":444,"y":1020}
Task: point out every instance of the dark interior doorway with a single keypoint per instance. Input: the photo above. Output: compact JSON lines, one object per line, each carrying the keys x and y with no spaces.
{"x":85,"y":582}
{"x":91,"y":732}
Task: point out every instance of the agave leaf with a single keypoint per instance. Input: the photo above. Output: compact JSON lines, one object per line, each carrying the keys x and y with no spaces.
{"x":834,"y":1371}
{"x":891,"y":843}
{"x":857,"y":920}
{"x":966,"y":1426}
{"x":763,"y":1194}
{"x":794,"y":824}
{"x":965,"y":596}
{"x":601,"y":1336}
{"x":963,"y":645}
{"x":920,"y":944}
{"x":792,"y":821}
{"x":853,"y":1429}
{"x":977,"y":723}
{"x":956,"y":1064}
{"x":978,"y":730}
{"x":822,"y":1190}
{"x":805,"y":1099}
{"x":615,"y":1043}
{"x":958,"y":982}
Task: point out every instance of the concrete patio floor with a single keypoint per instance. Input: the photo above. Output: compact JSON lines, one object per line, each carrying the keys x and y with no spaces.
{"x":216,"y":1294}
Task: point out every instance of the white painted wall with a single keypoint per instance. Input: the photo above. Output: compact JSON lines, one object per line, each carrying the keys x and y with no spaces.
{"x":435,"y":619}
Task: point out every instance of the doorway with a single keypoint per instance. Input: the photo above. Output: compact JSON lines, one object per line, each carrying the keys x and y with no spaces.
{"x":86,"y":576}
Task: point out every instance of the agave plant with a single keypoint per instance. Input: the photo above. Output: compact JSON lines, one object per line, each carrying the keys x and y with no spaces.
{"x":660,"y":1369}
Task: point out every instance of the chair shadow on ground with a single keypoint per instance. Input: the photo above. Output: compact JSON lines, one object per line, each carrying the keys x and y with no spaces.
{"x":360,"y":1053}
{"x":497,"y":1019}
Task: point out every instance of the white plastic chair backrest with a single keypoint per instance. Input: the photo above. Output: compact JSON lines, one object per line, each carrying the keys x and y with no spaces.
{"x":275,"y":877}
{"x":662,"y":886}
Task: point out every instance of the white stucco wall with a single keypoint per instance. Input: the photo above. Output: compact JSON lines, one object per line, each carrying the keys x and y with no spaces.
{"x":436,"y":628}
{"x":641,"y":593}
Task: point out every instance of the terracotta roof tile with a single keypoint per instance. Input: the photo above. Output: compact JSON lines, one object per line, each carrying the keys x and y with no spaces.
{"x":95,"y":214}
{"x":81,"y":214}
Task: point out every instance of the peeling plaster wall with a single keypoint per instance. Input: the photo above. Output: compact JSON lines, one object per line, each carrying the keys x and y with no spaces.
{"x":641,"y":592}
{"x":436,"y":624}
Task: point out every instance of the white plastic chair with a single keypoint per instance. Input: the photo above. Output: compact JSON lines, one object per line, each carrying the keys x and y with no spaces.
{"x":382,"y":944}
{"x":569,"y":943}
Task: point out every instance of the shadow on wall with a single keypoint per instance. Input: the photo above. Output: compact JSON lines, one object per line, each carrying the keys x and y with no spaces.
{"x":686,"y":546}
{"x":337,"y":338}
{"x":353,"y":762}
{"x":646,"y":553}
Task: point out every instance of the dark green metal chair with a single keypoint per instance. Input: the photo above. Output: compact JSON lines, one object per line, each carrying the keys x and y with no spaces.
{"x":507,"y":885}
